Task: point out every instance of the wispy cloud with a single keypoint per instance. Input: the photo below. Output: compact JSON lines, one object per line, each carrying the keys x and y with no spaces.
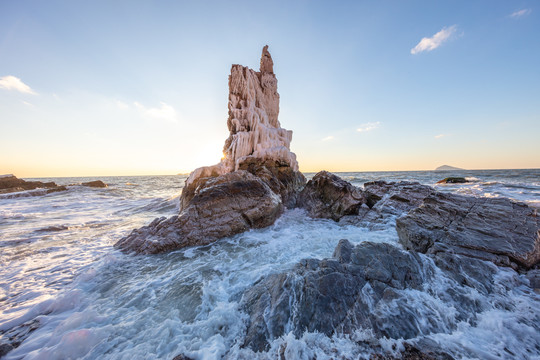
{"x":440,"y":136}
{"x":368,"y":126}
{"x":14,"y":83}
{"x":520,"y":13}
{"x":431,"y":43}
{"x":122,"y":105}
{"x":165,"y":112}
{"x":28,"y":104}
{"x":328,"y":138}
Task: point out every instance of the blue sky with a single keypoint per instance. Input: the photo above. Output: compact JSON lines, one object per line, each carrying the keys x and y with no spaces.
{"x":140,"y":87}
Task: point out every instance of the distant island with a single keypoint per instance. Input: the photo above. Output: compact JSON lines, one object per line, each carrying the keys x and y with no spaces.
{"x":447,"y":168}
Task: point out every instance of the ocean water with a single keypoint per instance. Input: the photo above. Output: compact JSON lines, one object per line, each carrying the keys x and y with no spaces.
{"x":61,"y":277}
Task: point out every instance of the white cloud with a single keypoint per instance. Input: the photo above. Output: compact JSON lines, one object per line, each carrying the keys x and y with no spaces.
{"x":28,"y":104}
{"x":328,"y":138}
{"x":431,"y":43}
{"x":519,"y":13}
{"x":14,"y":83}
{"x":122,"y":105}
{"x":440,"y":136}
{"x":165,"y":112}
{"x":368,"y":126}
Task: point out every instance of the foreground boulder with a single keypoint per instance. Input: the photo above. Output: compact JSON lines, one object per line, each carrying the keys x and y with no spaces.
{"x":328,"y":196}
{"x":249,"y":188}
{"x":495,"y":229}
{"x":366,"y":286}
{"x":222,"y":206}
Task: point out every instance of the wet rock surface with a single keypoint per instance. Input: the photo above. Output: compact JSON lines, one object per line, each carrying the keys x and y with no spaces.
{"x":222,"y":206}
{"x":369,"y":286}
{"x":453,"y":180}
{"x":12,"y":338}
{"x":412,"y":352}
{"x":494,"y":229}
{"x":11,"y":184}
{"x":95,"y":184}
{"x":387,"y":200}
{"x":328,"y":196}
{"x":280,"y":177}
{"x":534,"y":279}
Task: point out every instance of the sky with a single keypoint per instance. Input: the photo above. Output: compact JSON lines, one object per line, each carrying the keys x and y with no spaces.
{"x":90,"y":88}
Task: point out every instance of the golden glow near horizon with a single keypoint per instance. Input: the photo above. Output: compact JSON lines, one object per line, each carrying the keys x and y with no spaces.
{"x":446,"y":92}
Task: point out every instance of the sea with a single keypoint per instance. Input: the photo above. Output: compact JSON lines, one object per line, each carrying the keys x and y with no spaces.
{"x":67,"y":293}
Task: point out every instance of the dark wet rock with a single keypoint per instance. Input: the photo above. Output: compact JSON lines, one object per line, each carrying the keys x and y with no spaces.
{"x":388,"y":200}
{"x":222,"y":206}
{"x":12,"y":338}
{"x":474,"y":273}
{"x":453,"y":180}
{"x":280,"y":177}
{"x":328,"y":196}
{"x":494,"y":229}
{"x":534,"y":278}
{"x":57,"y":189}
{"x":365,"y":286}
{"x":182,"y":357}
{"x":5,"y":348}
{"x":10,"y":183}
{"x":95,"y":184}
{"x":53,"y":228}
{"x":412,"y":352}
{"x":396,"y":197}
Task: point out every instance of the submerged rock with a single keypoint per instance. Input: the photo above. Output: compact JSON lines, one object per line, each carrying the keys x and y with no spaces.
{"x":412,"y":352}
{"x":453,"y":180}
{"x":248,"y":189}
{"x":495,"y":229}
{"x":95,"y":184}
{"x":13,"y":338}
{"x":328,"y":196}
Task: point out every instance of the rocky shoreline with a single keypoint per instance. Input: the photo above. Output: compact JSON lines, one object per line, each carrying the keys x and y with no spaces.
{"x":13,"y":187}
{"x":465,"y":238}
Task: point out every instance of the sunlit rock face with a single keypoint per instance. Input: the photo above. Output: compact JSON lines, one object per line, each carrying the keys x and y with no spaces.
{"x":255,"y":131}
{"x":256,"y":135}
{"x":255,"y":180}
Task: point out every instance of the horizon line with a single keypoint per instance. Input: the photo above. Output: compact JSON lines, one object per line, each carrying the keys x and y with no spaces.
{"x":303,"y":172}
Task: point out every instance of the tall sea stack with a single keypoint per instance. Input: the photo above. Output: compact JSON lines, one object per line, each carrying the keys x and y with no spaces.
{"x":257,"y":177}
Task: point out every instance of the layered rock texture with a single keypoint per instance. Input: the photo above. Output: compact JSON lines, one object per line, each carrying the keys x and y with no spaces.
{"x":329,"y":196}
{"x":221,"y":206}
{"x":368,"y":286}
{"x":494,"y":229}
{"x":255,"y":132}
{"x":257,"y":177}
{"x":372,"y":286}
